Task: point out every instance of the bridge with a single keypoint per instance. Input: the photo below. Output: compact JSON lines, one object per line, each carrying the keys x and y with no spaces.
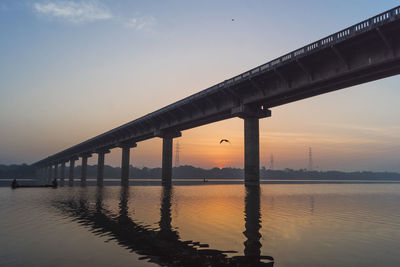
{"x":364,"y":52}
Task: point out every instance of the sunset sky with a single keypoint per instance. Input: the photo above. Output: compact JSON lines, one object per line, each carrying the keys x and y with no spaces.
{"x":70,"y":70}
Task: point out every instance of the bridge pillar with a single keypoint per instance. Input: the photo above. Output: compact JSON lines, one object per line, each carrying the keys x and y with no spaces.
{"x":166,"y":172}
{"x":44,"y":174}
{"x":251,"y":116}
{"x":71,"y":168}
{"x":100,"y":166}
{"x":84,"y":167}
{"x":49,"y":173}
{"x":40,"y":173}
{"x":55,"y":171}
{"x":126,"y":146}
{"x":251,"y":151}
{"x":62,"y":171}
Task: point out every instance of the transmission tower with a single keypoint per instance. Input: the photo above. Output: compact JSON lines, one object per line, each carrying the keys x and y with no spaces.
{"x":310,"y":161}
{"x":177,"y":149}
{"x":271,"y":162}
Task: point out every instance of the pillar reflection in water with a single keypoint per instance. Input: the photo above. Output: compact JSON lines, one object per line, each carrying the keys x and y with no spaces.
{"x":99,"y":199}
{"x":252,"y":246}
{"x":84,"y":200}
{"x":123,"y":205}
{"x":163,"y":246}
{"x":165,"y":214}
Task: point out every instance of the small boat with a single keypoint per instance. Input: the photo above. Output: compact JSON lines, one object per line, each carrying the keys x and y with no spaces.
{"x":15,"y":184}
{"x":33,"y":186}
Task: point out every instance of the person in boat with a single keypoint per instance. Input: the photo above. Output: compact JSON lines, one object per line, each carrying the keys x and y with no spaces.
{"x":14,"y":183}
{"x":54,"y":183}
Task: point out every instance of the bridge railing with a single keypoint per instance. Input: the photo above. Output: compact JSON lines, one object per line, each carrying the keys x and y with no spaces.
{"x":330,"y":40}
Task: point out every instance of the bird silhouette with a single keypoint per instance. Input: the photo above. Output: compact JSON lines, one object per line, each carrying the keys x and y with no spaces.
{"x":224,"y":140}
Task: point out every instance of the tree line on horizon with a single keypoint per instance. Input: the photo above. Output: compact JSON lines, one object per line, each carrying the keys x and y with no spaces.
{"x":191,"y":172}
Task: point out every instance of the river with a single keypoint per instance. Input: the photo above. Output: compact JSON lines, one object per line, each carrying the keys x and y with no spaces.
{"x":202,"y":224}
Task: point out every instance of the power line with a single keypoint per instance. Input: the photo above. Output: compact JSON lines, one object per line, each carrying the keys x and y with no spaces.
{"x":177,"y":150}
{"x":310,"y":160}
{"x":271,"y":162}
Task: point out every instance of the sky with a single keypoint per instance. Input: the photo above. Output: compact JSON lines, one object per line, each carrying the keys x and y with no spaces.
{"x":70,"y":70}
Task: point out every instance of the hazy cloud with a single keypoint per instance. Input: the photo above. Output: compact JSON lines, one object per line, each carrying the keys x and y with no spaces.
{"x":77,"y":12}
{"x":88,"y":11}
{"x":140,"y":23}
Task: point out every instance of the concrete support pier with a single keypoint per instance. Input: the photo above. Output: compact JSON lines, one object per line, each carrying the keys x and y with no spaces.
{"x":125,"y":165}
{"x":126,"y":146}
{"x":49,"y":173}
{"x":251,"y":151}
{"x":166,"y":173}
{"x":167,"y":136}
{"x":55,"y":171}
{"x":71,"y":169}
{"x":100,"y":166}
{"x":62,"y":172}
{"x":42,"y":173}
{"x":37,"y":173}
{"x":251,"y":115}
{"x":84,"y":168}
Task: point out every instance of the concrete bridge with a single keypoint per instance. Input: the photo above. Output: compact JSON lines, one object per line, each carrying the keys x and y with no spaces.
{"x":362,"y":53}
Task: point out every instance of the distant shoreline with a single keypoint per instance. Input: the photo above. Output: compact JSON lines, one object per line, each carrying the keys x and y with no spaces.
{"x":200,"y":182}
{"x":190,"y":172}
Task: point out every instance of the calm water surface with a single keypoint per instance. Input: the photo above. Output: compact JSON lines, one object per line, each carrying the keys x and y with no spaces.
{"x":275,"y":225}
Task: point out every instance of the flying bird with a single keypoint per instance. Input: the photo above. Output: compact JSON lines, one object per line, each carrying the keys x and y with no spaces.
{"x":224,"y":140}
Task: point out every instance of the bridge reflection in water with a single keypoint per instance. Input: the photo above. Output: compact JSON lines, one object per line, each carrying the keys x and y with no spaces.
{"x":163,"y":245}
